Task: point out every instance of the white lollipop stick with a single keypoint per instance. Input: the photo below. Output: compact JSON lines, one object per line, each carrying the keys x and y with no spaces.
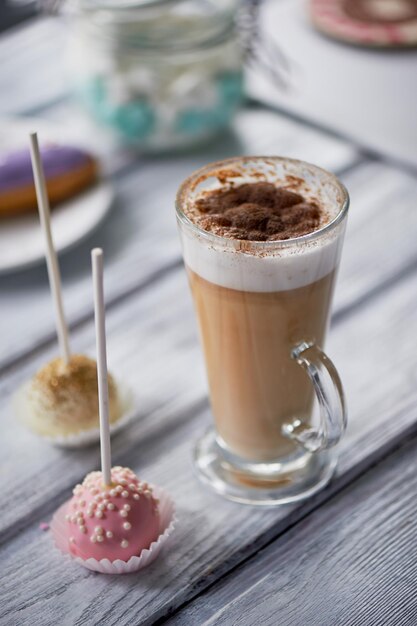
{"x":103,"y":390}
{"x":51,"y":259}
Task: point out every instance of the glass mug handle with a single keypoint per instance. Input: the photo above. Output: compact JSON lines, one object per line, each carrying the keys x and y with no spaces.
{"x":330,"y":396}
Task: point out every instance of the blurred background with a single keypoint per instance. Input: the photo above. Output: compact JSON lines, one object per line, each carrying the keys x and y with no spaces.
{"x":164,"y":74}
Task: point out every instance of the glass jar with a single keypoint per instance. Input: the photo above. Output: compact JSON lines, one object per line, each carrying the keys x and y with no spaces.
{"x":160,"y":73}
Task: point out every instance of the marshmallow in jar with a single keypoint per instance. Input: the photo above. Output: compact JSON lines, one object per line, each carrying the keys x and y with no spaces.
{"x":160,"y":73}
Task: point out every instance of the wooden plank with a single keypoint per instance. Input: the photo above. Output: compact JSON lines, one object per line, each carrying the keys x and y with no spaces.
{"x":139,"y":237}
{"x":380,"y":243}
{"x":143,"y":345}
{"x":351,"y":562}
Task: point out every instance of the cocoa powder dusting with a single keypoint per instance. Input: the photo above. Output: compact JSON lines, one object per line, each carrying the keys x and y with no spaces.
{"x":65,"y":383}
{"x":258,"y":211}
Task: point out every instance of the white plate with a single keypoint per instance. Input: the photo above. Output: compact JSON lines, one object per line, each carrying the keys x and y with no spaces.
{"x":21,"y":240}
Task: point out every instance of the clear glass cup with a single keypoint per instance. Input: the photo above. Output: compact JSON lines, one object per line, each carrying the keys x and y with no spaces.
{"x":263,"y":310}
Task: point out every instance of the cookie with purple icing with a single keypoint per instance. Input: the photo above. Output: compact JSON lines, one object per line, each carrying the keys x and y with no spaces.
{"x":68,"y":171}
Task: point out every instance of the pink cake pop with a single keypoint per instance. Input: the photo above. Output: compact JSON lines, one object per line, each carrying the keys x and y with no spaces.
{"x":111,"y":522}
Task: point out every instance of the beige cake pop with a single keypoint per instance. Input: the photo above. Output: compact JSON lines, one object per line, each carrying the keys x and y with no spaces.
{"x":61,"y":401}
{"x":62,"y":398}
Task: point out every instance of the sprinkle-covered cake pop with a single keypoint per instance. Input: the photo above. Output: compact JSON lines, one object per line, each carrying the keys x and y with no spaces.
{"x":62,"y":398}
{"x":111,"y":522}
{"x":117,"y":528}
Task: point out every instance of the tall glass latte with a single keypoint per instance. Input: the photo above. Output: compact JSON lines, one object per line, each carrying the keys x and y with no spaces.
{"x":261,"y":241}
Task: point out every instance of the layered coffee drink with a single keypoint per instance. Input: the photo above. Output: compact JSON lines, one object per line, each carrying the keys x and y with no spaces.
{"x":248,"y":334}
{"x":261,"y":246}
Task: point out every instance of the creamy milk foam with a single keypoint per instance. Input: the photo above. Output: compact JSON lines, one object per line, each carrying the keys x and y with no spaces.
{"x":265,"y":266}
{"x":243,"y":271}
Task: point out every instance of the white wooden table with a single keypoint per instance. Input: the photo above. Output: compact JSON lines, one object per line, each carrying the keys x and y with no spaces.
{"x":347,"y":556}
